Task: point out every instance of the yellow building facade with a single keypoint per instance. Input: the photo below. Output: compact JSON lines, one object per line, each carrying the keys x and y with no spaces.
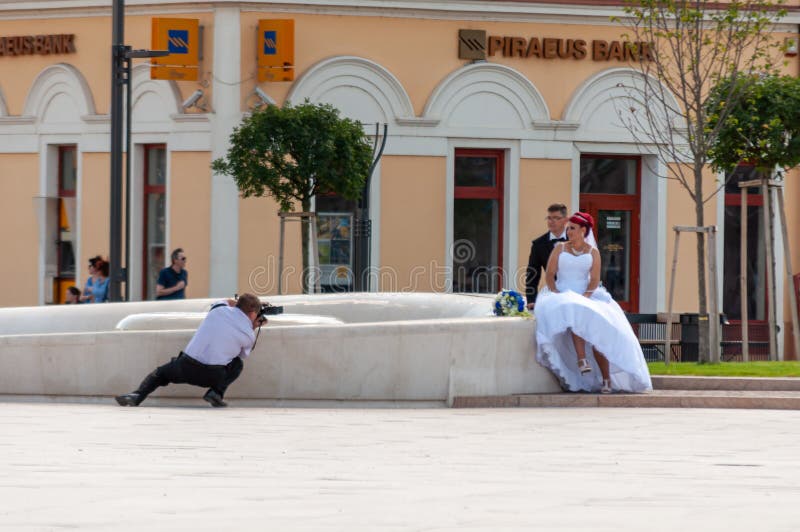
{"x":476,"y":151}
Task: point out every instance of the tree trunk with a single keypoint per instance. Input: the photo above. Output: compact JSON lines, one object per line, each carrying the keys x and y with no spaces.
{"x":703,"y":325}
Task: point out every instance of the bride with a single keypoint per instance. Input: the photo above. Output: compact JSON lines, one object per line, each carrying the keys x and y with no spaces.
{"x":576,"y":317}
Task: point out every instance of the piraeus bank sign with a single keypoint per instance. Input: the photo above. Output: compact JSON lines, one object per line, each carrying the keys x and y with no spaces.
{"x":474,"y":44}
{"x":37,"y":45}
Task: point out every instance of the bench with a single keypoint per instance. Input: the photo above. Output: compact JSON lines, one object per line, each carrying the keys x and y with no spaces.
{"x":651,"y":330}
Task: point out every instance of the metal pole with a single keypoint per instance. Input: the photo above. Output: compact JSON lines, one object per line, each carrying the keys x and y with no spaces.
{"x":773,"y":337}
{"x":115,"y":215}
{"x":280,"y":255}
{"x":668,"y":335}
{"x":315,"y":254}
{"x":713,"y":324}
{"x":788,"y":262}
{"x":743,"y":301}
{"x":126,"y":270}
{"x":362,"y":226}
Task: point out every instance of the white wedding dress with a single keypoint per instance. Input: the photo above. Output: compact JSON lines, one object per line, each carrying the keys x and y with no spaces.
{"x":599,"y":320}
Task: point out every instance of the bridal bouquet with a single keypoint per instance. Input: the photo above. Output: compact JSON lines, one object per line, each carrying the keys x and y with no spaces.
{"x":510,"y":303}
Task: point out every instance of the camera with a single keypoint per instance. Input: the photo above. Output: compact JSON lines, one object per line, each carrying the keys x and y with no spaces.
{"x":268,"y":310}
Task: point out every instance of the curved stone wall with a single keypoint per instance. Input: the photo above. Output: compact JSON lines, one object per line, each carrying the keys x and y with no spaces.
{"x":410,"y":350}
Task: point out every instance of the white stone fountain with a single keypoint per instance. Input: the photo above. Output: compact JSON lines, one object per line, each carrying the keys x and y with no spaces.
{"x":362,"y":346}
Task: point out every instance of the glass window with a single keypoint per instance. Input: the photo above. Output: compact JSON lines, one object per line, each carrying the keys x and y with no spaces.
{"x":65,"y":238}
{"x":756,"y":264}
{"x":613,"y":242}
{"x":475,"y":251}
{"x":741,"y":173}
{"x":476,"y":172}
{"x":68,"y":168}
{"x":156,"y":166}
{"x":608,"y":175}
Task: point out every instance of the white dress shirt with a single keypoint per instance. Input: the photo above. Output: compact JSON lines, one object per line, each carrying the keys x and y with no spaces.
{"x":563,"y":235}
{"x":226,"y":333}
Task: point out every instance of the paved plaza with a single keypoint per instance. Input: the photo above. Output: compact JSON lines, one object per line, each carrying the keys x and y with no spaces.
{"x":186,"y":466}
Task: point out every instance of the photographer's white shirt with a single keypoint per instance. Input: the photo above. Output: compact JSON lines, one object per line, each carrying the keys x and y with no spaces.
{"x":226,"y":333}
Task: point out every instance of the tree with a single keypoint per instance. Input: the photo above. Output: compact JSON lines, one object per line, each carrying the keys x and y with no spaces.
{"x":762,"y":130}
{"x":683,"y":48}
{"x":292,"y":153}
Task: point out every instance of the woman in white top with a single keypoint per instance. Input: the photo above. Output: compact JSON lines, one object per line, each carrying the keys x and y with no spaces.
{"x":582,"y":334}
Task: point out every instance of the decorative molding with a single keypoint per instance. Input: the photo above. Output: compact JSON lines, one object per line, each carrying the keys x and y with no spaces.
{"x":555,"y":125}
{"x":356,"y":82}
{"x":190,"y":118}
{"x":488,"y":80}
{"x":417,"y":121}
{"x":166,"y":91}
{"x":96,"y":119}
{"x":17,"y":120}
{"x":60,"y":78}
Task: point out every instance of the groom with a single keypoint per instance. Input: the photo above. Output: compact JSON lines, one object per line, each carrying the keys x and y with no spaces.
{"x":541,"y":248}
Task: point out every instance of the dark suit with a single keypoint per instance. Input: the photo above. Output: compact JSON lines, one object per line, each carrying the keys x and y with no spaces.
{"x":537,"y":262}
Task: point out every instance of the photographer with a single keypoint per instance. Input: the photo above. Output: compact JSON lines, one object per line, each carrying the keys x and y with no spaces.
{"x":213,"y":357}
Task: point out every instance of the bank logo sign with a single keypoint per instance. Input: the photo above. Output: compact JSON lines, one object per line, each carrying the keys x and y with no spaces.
{"x":275,"y":41}
{"x":270,"y":42}
{"x":181,"y":38}
{"x":471,"y":44}
{"x":476,"y":45}
{"x":178,"y":41}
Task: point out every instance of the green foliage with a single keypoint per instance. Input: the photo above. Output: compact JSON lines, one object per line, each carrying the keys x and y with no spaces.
{"x":762,"y":129}
{"x":294,"y":152}
{"x":727,"y":369}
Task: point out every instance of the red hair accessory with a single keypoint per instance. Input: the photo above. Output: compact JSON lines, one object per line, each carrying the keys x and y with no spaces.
{"x":584,"y":219}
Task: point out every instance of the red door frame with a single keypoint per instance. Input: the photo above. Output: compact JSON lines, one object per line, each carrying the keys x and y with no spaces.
{"x":146,"y":190}
{"x":496,"y":192}
{"x":61,"y":281}
{"x":594,"y":203}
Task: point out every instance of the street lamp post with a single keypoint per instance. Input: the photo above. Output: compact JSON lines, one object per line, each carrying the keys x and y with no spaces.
{"x":121,"y":59}
{"x":362,"y":226}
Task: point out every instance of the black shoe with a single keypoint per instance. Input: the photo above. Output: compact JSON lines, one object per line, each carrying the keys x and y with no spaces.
{"x":129,"y":399}
{"x":214,"y":399}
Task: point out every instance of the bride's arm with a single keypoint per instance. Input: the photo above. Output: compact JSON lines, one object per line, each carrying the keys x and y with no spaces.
{"x":552,"y":267}
{"x":594,"y":274}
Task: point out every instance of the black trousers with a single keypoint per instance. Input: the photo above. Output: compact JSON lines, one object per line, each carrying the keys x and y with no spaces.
{"x":183,"y":369}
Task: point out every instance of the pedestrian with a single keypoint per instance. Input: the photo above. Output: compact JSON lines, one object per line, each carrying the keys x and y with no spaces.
{"x":173,"y":279}
{"x":73,"y":296}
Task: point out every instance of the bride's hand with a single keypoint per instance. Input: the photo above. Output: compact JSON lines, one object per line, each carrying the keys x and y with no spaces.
{"x":588,"y":294}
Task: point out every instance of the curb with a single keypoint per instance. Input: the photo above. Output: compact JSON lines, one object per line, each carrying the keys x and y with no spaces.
{"x":774,"y":400}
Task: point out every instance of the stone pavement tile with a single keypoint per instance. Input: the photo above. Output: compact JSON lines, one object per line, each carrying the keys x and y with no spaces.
{"x":95,"y":468}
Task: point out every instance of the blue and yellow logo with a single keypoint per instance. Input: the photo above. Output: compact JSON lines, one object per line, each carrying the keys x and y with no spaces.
{"x":181,"y":38}
{"x":270,"y":42}
{"x":276,"y":50}
{"x":178,"y":41}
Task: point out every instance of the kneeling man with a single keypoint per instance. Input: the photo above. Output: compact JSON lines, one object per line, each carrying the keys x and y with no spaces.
{"x":213,"y":358}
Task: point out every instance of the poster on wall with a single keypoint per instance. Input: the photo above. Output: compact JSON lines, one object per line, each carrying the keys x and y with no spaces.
{"x":335,"y":245}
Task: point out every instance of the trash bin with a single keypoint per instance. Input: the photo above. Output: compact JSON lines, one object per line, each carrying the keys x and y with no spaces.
{"x":690,"y":336}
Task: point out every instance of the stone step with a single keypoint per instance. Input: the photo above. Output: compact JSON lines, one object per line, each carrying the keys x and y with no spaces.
{"x":669,"y":382}
{"x":748,"y":399}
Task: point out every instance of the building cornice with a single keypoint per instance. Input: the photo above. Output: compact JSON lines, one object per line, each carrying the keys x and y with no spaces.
{"x":597,"y":12}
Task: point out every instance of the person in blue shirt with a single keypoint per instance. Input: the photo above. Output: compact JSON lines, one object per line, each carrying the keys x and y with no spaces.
{"x":96,"y":289}
{"x":172,"y":280}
